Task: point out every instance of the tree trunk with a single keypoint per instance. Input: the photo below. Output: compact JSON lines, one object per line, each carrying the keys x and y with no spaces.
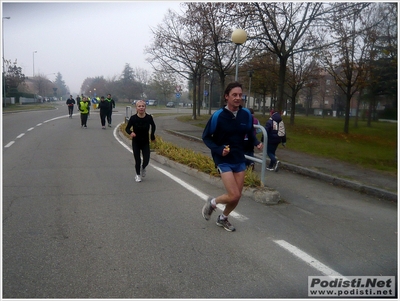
{"x":210,"y":98}
{"x":194,"y":96}
{"x":199,"y":95}
{"x":281,"y":83}
{"x":292,"y":113}
{"x":370,"y":106}
{"x":347,"y":113}
{"x":222,"y":96}
{"x":358,"y":108}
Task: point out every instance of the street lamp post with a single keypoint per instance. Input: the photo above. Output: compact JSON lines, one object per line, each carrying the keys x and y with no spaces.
{"x":33,"y":59}
{"x":4,"y":72}
{"x":239,"y":36}
{"x":250,"y":75}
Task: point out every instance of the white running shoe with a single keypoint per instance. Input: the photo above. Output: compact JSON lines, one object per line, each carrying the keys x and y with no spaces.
{"x":277,"y":166}
{"x":143,"y":172}
{"x":138,"y":178}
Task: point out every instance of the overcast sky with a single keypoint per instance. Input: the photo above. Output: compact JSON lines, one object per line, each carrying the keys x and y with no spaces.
{"x":80,"y":39}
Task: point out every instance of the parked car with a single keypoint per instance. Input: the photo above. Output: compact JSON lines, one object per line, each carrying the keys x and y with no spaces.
{"x":135,"y":101}
{"x":152,"y":102}
{"x":170,"y":104}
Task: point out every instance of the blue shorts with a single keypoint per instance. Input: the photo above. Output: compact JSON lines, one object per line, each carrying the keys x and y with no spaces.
{"x":225,"y":167}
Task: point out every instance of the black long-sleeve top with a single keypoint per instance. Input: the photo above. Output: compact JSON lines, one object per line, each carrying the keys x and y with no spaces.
{"x":104,"y":107}
{"x":141,"y":127}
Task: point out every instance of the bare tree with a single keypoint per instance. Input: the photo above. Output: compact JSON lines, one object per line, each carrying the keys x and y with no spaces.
{"x":217,"y":22}
{"x":142,"y":78}
{"x":345,"y":61}
{"x":303,"y":72}
{"x":265,"y":75}
{"x":284,"y":28}
{"x":13,"y":77}
{"x":98,"y":85}
{"x":179,"y":47}
{"x":382,"y":63}
{"x":43,"y":85}
{"x":163,"y":84}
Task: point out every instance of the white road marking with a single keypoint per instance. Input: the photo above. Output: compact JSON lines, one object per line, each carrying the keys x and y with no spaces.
{"x":182,"y":183}
{"x":187,"y":186}
{"x":32,"y":128}
{"x":307,"y":258}
{"x":9,"y":144}
{"x":282,"y":243}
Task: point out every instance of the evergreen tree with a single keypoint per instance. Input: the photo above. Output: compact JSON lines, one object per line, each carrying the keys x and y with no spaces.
{"x":62,"y":90}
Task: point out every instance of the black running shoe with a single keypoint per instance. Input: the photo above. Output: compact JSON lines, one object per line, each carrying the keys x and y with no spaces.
{"x":225,"y":224}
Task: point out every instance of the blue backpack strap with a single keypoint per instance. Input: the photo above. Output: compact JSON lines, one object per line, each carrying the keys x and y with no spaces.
{"x":250,"y":123}
{"x":214,"y":119}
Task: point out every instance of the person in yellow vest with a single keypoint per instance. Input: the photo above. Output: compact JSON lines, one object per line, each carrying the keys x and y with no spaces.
{"x":84,"y":106}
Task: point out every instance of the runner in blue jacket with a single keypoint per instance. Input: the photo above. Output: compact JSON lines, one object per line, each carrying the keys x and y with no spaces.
{"x":224,"y":135}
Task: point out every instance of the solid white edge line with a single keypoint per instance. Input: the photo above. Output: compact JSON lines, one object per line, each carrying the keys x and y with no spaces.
{"x":308,"y":259}
{"x":187,"y":186}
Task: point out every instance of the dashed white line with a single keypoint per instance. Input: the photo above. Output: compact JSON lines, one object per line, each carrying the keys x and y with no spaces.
{"x":282,"y":243}
{"x":32,"y":128}
{"x":9,"y":144}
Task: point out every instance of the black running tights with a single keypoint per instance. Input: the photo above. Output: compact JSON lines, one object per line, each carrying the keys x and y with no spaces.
{"x":145,"y":148}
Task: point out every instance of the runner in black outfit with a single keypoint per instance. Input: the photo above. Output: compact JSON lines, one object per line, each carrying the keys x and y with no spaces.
{"x":70,"y":103}
{"x":141,"y":123}
{"x":104,"y":107}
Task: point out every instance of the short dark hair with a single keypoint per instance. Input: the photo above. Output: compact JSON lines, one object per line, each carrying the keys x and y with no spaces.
{"x":230,"y":86}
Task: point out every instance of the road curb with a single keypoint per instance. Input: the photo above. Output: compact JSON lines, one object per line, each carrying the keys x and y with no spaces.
{"x":362,"y":188}
{"x":334,"y":180}
{"x":263,"y":195}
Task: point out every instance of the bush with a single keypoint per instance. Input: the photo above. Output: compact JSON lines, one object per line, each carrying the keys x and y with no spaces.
{"x":193,"y":159}
{"x":388,"y":113}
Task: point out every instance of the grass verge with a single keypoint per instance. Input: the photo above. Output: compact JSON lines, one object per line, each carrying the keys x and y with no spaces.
{"x":192,"y":159}
{"x":372,"y":147}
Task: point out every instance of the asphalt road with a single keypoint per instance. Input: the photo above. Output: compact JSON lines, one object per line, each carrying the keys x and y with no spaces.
{"x":77,"y":225}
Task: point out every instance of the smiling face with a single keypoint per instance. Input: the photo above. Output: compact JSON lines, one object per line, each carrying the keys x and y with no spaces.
{"x":234,"y":98}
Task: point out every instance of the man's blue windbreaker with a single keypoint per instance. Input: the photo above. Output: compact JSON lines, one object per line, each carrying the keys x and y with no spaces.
{"x":223,"y":128}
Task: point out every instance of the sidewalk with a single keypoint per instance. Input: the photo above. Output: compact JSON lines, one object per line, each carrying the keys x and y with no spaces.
{"x":371,"y":182}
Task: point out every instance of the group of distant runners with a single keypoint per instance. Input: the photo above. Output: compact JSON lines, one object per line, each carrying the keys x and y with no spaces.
{"x":106,"y":105}
{"x":229,"y":134}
